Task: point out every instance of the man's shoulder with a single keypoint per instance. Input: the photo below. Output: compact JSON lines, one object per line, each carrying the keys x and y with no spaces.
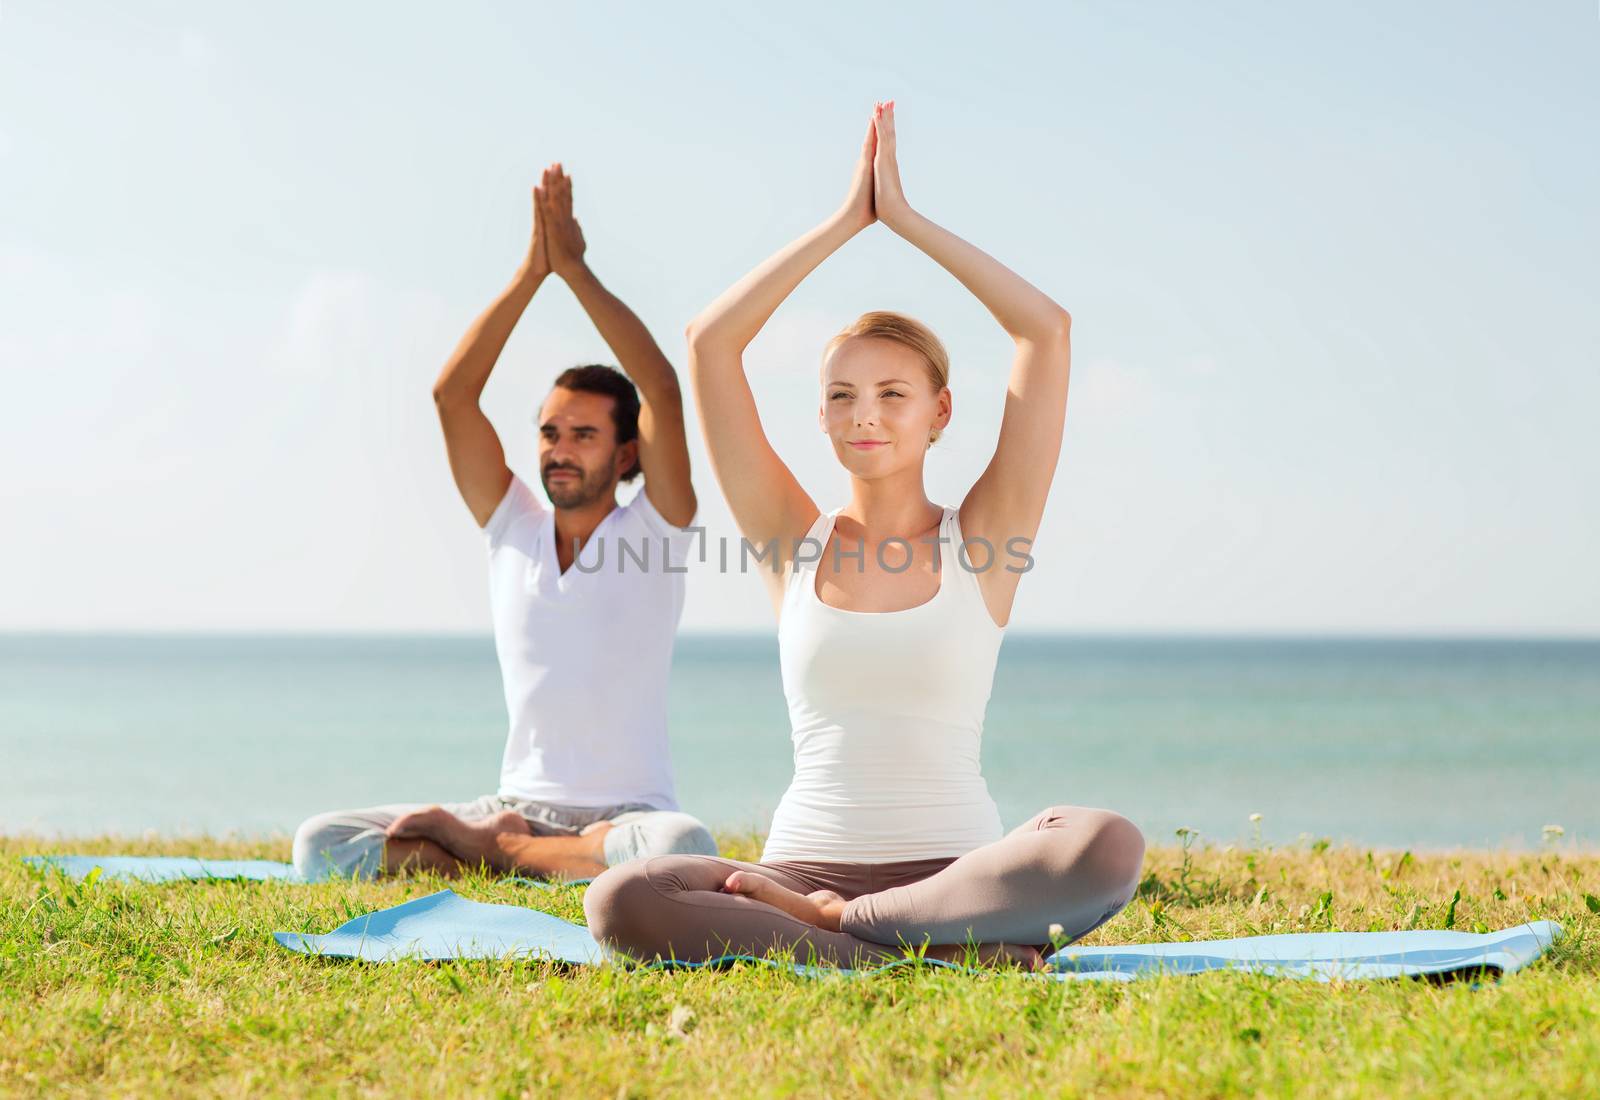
{"x":641,"y":509}
{"x":518,"y":519}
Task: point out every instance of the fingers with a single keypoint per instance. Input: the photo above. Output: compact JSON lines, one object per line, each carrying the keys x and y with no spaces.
{"x":752,"y":886}
{"x":557,"y":188}
{"x":552,"y":200}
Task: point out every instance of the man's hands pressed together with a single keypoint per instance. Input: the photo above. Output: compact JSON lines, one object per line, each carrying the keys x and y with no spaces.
{"x":559,"y":232}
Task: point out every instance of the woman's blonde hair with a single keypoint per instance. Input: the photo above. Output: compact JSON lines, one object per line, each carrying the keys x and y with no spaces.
{"x":907,"y":332}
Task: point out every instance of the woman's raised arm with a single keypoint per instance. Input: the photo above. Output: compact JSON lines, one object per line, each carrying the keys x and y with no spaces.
{"x":1007,"y":501}
{"x":766,"y":500}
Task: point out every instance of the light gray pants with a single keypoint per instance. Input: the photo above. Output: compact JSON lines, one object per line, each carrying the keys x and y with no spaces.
{"x":349,"y":843}
{"x":1069,"y":865}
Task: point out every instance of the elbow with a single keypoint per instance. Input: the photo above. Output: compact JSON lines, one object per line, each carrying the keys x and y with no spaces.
{"x":446,"y":394}
{"x":1061,"y":325}
{"x":714,"y":344}
{"x":1053,"y":330}
{"x":694,"y":336}
{"x":702,"y":335}
{"x":665,"y":394}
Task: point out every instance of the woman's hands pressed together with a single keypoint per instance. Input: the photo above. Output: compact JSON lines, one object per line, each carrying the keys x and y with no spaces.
{"x":875,"y":193}
{"x":888,"y":199}
{"x":858,"y":210}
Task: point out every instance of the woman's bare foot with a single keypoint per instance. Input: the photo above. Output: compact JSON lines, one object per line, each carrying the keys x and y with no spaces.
{"x":825,"y":909}
{"x":822,"y":908}
{"x":989,"y":954}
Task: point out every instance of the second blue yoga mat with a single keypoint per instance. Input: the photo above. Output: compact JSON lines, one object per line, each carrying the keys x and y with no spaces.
{"x":166,"y":868}
{"x":189,"y":869}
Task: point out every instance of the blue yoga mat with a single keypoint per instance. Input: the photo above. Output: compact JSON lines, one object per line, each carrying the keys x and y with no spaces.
{"x":1322,"y":955}
{"x":166,"y":868}
{"x":448,"y":926}
{"x":188,"y":869}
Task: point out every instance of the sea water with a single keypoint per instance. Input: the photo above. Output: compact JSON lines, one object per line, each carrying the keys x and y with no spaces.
{"x":1396,"y":743}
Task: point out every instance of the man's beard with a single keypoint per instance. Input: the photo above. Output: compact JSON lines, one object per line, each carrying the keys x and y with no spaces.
{"x":584,"y":490}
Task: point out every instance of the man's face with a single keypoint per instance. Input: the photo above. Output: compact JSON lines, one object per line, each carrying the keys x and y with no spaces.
{"x":579,"y":460}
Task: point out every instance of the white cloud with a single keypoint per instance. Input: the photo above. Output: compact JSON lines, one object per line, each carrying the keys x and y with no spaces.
{"x":91,"y":373}
{"x":331,"y":323}
{"x":197,"y":49}
{"x":1104,"y":389}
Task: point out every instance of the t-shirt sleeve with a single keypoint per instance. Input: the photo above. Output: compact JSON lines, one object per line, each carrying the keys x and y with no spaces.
{"x":518,"y":502}
{"x":678,"y":538}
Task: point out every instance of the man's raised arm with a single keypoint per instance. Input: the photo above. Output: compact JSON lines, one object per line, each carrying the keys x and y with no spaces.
{"x":663,"y":445}
{"x":477,"y":459}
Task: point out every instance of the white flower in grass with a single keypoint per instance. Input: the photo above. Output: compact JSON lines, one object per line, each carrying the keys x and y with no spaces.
{"x":679,"y":1023}
{"x":1553,"y":831}
{"x":1255,"y":819}
{"x":1056,"y":932}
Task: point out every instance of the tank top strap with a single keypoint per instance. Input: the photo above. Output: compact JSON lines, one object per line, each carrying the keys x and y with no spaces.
{"x":962,"y":564}
{"x":809,"y":550}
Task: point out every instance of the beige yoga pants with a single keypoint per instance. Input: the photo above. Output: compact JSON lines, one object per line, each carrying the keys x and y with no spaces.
{"x":349,"y":843}
{"x":1069,"y":865}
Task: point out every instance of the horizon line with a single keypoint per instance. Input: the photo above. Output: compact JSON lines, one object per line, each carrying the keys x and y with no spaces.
{"x":1203,"y":634}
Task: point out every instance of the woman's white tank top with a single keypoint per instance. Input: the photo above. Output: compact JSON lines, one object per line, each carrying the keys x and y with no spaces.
{"x":886,"y":713}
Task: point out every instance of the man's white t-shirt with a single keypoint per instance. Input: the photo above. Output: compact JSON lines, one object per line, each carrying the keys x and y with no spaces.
{"x":585,"y":654}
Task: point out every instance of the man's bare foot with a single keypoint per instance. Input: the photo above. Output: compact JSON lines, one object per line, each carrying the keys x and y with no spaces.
{"x":823,"y":908}
{"x":471,"y":842}
{"x":419,"y":824}
{"x":583,"y":856}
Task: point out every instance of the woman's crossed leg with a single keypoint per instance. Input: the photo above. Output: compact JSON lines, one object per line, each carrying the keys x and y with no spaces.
{"x":682,"y":908}
{"x":1069,"y":866}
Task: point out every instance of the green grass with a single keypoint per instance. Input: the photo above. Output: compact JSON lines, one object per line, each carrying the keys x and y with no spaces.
{"x":155,"y":989}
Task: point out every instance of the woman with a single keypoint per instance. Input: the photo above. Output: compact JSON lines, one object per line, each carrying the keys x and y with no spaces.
{"x":887,"y":837}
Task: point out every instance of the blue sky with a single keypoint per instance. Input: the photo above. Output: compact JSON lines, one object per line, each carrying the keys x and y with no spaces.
{"x":1332,"y":271}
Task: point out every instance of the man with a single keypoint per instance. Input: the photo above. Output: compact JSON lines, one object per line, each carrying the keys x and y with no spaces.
{"x":584,"y":639}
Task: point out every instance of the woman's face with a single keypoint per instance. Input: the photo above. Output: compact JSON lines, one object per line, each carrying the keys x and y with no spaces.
{"x":879,"y":405}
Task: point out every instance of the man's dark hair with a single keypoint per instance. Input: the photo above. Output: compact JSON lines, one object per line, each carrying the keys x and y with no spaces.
{"x":612,"y":383}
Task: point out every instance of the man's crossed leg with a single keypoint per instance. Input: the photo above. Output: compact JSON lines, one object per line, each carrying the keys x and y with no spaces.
{"x":508,"y":835}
